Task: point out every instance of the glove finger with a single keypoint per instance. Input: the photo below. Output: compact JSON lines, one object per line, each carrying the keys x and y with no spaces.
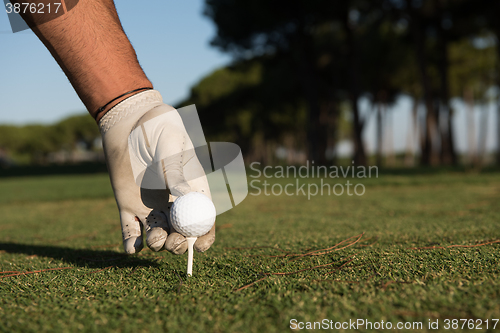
{"x":156,"y":226}
{"x":131,"y":233}
{"x":174,"y":149}
{"x":176,"y":243}
{"x":174,"y":175}
{"x":204,"y":242}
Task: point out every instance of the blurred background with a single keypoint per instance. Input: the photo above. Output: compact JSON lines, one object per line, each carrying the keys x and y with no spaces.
{"x":393,"y":83}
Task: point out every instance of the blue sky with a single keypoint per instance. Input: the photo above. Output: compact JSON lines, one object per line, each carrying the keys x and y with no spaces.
{"x":171,"y":39}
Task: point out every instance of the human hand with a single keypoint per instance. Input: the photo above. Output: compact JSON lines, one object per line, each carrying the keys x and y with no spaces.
{"x":151,"y":161}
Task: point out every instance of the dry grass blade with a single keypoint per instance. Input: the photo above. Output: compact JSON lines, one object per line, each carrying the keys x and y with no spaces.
{"x":450,"y":246}
{"x":33,"y":272}
{"x":256,"y":247}
{"x":483,"y":244}
{"x":314,"y":267}
{"x":251,"y":284}
{"x":296,"y":256}
{"x":299,"y":271}
{"x":332,"y":248}
{"x":367,"y":239}
{"x":100,"y":270}
{"x":341,"y":266}
{"x":338,"y":244}
{"x":337,"y":247}
{"x":341,"y":281}
{"x":385,"y":285}
{"x":134,"y":270}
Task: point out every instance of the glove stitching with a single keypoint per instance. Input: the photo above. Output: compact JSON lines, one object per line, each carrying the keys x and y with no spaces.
{"x":120,"y":111}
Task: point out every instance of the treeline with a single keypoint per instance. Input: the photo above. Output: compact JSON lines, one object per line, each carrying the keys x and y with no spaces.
{"x":31,"y":144}
{"x":301,"y":67}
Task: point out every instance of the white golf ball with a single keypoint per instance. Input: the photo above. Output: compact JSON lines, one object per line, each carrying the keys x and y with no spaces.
{"x":193,"y":214}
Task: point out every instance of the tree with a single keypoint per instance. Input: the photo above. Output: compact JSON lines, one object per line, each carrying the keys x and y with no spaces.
{"x":288,"y":29}
{"x":37,"y":141}
{"x":254,"y":103}
{"x":472,"y":74}
{"x":76,"y":129}
{"x":483,"y":15}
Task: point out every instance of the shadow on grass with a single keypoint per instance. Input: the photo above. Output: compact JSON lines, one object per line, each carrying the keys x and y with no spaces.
{"x":49,"y":170}
{"x":79,"y":257}
{"x":100,"y":167}
{"x":437,"y":170}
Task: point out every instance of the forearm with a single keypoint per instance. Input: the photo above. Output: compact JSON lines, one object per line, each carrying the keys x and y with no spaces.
{"x":89,"y":44}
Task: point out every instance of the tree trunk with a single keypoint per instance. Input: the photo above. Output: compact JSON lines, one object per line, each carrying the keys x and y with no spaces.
{"x":354,"y":91}
{"x":316,"y":131}
{"x":379,"y":134}
{"x":448,"y":153}
{"x":497,"y":100}
{"x":428,"y":153}
{"x":412,"y":136}
{"x":498,"y":134}
{"x":331,"y":113}
{"x":471,"y":133}
{"x":390,"y":157}
{"x":483,"y":131}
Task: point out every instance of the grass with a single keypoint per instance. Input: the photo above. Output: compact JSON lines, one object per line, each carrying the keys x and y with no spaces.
{"x":71,"y":221}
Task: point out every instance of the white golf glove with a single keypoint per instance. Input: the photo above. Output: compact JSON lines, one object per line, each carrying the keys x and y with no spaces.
{"x":151,"y":162}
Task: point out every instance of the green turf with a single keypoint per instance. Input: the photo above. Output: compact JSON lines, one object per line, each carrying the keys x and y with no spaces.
{"x":71,"y":221}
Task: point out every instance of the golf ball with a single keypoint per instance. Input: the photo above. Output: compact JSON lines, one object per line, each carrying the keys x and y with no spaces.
{"x":193,"y":214}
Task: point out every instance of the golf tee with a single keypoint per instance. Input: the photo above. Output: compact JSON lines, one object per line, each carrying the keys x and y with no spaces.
{"x":190,"y":241}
